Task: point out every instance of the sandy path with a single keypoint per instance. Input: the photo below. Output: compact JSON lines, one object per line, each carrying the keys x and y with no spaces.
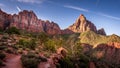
{"x":13,"y":61}
{"x":48,"y":64}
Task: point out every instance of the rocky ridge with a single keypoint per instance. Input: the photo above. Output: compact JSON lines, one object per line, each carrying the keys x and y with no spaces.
{"x":27,"y":20}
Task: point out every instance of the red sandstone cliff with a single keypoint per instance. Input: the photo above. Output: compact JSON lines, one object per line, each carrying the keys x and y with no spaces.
{"x":27,"y":20}
{"x":82,"y":25}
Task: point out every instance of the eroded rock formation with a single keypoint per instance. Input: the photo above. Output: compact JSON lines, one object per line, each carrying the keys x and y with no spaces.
{"x":82,"y":25}
{"x":27,"y":20}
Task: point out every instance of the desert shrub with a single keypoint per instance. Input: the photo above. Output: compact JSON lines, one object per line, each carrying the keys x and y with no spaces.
{"x":42,"y":37}
{"x":1,"y":31}
{"x":83,"y":61}
{"x":31,"y":60}
{"x":47,"y":54}
{"x":8,"y":50}
{"x":2,"y":47}
{"x":1,"y":62}
{"x":5,"y":36}
{"x":72,"y":62}
{"x":15,"y":46}
{"x":27,"y":49}
{"x":42,"y":59}
{"x":20,"y":51}
{"x":12,"y":30}
{"x":50,"y":45}
{"x":2,"y":55}
{"x":31,"y":44}
{"x":65,"y":63}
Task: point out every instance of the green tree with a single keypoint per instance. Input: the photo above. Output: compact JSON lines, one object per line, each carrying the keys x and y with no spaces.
{"x":50,"y":45}
{"x":12,"y":30}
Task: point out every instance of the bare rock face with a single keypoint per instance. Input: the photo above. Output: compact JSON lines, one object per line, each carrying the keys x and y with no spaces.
{"x":27,"y":20}
{"x":101,"y":31}
{"x":82,"y":25}
{"x":110,"y":53}
{"x":67,"y":31}
{"x":62,"y":51}
{"x":51,"y":28}
{"x":5,"y":20}
{"x":105,"y":55}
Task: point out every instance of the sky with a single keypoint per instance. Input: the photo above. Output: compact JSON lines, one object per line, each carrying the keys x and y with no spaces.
{"x":103,"y":13}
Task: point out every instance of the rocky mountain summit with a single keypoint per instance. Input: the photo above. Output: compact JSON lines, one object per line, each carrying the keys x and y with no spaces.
{"x":27,"y":20}
{"x":82,"y":25}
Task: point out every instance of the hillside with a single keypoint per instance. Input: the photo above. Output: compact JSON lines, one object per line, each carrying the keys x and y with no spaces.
{"x":29,"y":42}
{"x":94,"y":39}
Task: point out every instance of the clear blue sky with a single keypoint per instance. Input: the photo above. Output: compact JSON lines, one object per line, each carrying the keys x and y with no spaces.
{"x":103,"y":13}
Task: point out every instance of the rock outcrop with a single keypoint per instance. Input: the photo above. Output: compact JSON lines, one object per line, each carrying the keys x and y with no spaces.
{"x":101,"y":31}
{"x":4,"y":19}
{"x":110,"y":51}
{"x":82,"y":25}
{"x":105,"y":55}
{"x":27,"y":20}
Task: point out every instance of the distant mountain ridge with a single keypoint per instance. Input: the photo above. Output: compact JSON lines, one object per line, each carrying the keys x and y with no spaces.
{"x":27,"y":20}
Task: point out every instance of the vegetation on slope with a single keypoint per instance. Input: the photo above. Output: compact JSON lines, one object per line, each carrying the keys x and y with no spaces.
{"x":92,"y":38}
{"x":43,"y":43}
{"x":31,"y":60}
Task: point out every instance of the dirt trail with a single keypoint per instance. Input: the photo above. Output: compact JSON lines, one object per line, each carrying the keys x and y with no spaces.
{"x":13,"y":61}
{"x":49,"y":63}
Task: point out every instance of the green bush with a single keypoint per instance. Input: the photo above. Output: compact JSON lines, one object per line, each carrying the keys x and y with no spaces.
{"x":31,"y":44}
{"x":20,"y":51}
{"x":83,"y":62}
{"x":1,"y":63}
{"x":30,"y":63}
{"x":2,"y":47}
{"x":2,"y":55}
{"x":42,"y":37}
{"x":50,"y":45}
{"x":66,"y":63}
{"x":30,"y":60}
{"x":8,"y":50}
{"x":72,"y":62}
{"x":12,"y":30}
{"x":42,"y":59}
{"x":5,"y":36}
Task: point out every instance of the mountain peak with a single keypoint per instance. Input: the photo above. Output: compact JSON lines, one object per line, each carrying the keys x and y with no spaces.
{"x":101,"y":31}
{"x":27,"y":20}
{"x":82,"y":17}
{"x":82,"y":24}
